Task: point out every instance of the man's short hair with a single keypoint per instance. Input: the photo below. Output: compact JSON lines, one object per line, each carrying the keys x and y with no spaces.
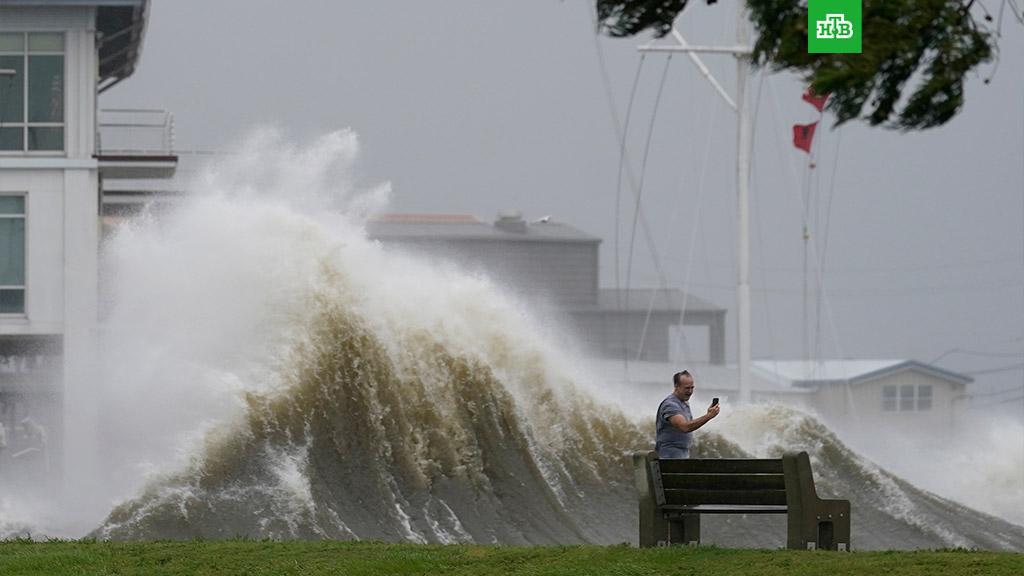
{"x":678,"y":376}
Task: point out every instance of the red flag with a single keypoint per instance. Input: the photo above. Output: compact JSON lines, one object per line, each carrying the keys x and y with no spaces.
{"x":803,"y":134}
{"x":814,"y":100}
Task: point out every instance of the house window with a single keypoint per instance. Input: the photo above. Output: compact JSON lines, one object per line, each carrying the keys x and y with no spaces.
{"x":889,"y":402}
{"x":31,"y":92}
{"x":906,"y":398}
{"x":924,"y":397}
{"x":12,"y":254}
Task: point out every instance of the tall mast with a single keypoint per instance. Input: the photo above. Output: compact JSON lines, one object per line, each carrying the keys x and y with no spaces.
{"x":743,"y":207}
{"x":741,"y":52}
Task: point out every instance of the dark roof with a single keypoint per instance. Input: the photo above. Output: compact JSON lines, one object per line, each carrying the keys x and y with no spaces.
{"x":464,"y":227}
{"x":121,"y":24}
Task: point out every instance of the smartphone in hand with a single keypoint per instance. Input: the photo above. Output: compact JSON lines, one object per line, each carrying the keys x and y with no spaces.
{"x":714,"y":401}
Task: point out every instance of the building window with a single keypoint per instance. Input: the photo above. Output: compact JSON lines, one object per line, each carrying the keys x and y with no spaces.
{"x":924,"y":397}
{"x":906,"y":398}
{"x":889,"y":398}
{"x":31,"y":92}
{"x":12,"y":254}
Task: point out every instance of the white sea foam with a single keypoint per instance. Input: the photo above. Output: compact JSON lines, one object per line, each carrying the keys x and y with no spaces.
{"x":981,"y":467}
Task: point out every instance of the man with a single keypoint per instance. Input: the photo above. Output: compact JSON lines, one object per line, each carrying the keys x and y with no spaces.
{"x":675,"y":423}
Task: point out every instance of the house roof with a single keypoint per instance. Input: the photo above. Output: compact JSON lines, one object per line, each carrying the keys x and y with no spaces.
{"x":783,"y":377}
{"x":464,"y":227}
{"x":121,"y":25}
{"x":824,"y":372}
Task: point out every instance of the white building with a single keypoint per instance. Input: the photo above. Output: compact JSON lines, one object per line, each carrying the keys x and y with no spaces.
{"x":56,"y":56}
{"x":891,"y":395}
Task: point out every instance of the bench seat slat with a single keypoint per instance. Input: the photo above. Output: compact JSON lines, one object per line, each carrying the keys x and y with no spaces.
{"x":736,"y":497}
{"x":721,"y":466}
{"x":724,"y":481}
{"x":675,"y":511}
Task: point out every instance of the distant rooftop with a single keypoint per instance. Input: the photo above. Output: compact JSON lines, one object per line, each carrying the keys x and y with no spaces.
{"x":810,"y":373}
{"x":782,"y":376}
{"x":120,"y":24}
{"x":509,"y":227}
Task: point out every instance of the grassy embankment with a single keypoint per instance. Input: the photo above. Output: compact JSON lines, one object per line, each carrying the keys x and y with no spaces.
{"x":312,"y":558}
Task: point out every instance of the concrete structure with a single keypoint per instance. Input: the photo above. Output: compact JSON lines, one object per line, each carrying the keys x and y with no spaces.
{"x":56,"y":56}
{"x":547,"y":261}
{"x":556,"y":265}
{"x":636,"y":324}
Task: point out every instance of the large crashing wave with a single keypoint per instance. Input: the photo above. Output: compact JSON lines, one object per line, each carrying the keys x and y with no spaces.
{"x":390,"y":398}
{"x":405,"y":442}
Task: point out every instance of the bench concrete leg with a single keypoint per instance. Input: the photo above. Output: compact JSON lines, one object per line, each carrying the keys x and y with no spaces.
{"x":827,"y":529}
{"x":685,"y":530}
{"x":837,"y":514}
{"x":654,"y":529}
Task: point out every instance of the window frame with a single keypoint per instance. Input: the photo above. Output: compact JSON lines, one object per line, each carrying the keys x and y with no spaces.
{"x":890,"y":398}
{"x":23,"y":287}
{"x":25,"y":125}
{"x":894,"y":398}
{"x":930,"y":395}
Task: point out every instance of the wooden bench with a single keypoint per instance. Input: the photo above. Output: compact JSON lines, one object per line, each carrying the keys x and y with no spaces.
{"x":674,"y":493}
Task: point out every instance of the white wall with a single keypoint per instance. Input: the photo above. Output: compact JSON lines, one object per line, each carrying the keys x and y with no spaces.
{"x":859,"y":406}
{"x":62,"y":226}
{"x":44,"y":246}
{"x":61,"y":188}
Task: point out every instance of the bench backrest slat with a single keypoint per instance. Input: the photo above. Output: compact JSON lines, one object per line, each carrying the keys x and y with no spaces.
{"x":685,"y":497}
{"x":724,"y":481}
{"x":721,"y":466}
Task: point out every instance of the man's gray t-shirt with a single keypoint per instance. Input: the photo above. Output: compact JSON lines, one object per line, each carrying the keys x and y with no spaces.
{"x":667,"y":434}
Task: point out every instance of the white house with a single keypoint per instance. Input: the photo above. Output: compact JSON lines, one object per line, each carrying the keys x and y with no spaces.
{"x":56,"y":56}
{"x":891,"y":395}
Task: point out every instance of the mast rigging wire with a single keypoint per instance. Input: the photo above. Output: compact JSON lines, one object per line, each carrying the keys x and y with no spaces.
{"x":639,"y":198}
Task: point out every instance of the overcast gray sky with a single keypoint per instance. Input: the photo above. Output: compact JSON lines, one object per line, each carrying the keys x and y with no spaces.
{"x":468,"y":106}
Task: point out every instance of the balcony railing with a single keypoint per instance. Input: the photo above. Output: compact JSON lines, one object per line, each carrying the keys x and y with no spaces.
{"x":133,"y":143}
{"x":135,"y":132}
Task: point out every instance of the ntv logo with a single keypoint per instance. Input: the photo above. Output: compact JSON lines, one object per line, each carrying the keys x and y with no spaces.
{"x":834,"y":26}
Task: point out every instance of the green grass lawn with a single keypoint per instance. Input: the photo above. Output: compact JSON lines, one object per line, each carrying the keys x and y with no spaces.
{"x":353,"y":558}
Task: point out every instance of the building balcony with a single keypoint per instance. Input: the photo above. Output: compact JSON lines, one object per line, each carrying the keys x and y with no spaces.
{"x":135,"y":144}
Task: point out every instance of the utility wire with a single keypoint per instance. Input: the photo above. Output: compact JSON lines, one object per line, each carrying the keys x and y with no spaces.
{"x":756,"y":210}
{"x":1001,"y":402}
{"x":1010,"y":368}
{"x":977,"y":353}
{"x":630,"y":178}
{"x":995,"y":393}
{"x":824,"y":247}
{"x":618,"y":178}
{"x":639,"y":197}
{"x":695,"y":226}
